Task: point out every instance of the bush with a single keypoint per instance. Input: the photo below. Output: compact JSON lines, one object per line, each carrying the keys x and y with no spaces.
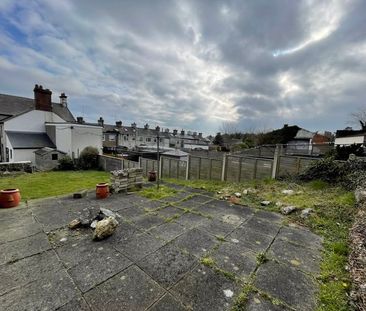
{"x":66,"y":164}
{"x":350,"y":174}
{"x":89,"y":158}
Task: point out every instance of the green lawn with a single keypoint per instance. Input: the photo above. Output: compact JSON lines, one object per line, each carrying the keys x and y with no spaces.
{"x":46,"y":184}
{"x":334,"y":212}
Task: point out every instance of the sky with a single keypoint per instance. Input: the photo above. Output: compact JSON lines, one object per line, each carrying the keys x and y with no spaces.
{"x":195,"y":65}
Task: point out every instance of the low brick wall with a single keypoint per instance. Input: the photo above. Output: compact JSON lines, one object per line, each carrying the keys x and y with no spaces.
{"x":24,"y":166}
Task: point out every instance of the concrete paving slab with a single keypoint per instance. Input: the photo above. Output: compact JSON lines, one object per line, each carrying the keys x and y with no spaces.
{"x":250,"y":239}
{"x":168,"y":231}
{"x":258,"y":303}
{"x":217,"y":227}
{"x":270,"y":216}
{"x":19,"y":249}
{"x":301,"y":236}
{"x":47,"y":293}
{"x":139,"y":246}
{"x":167,"y":303}
{"x":295,"y":255}
{"x":93,"y":271}
{"x":27,"y":270}
{"x":203,"y":289}
{"x":235,"y":258}
{"x":132,"y":289}
{"x":191,"y":220}
{"x":196,"y":242}
{"x":287,"y":284}
{"x":167,"y":265}
{"x":147,"y":221}
{"x":176,"y":197}
{"x":8,"y":234}
{"x":260,"y":225}
{"x":169,"y":211}
{"x":76,"y":304}
{"x":194,"y":201}
{"x":131,"y":213}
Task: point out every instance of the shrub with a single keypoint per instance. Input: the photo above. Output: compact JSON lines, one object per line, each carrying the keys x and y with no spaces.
{"x":88,"y":158}
{"x":66,"y":164}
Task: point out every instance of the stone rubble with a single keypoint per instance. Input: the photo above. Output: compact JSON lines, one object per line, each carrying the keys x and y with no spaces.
{"x":124,"y":180}
{"x":288,"y":192}
{"x":288,"y":209}
{"x":306,"y":213}
{"x":265,"y":203}
{"x":105,"y":228}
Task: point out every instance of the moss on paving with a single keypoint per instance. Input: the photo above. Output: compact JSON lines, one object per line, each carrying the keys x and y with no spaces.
{"x":48,"y":184}
{"x":334,"y":211}
{"x":157,"y":194}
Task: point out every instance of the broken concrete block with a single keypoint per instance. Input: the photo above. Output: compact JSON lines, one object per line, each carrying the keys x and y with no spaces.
{"x":105,"y":228}
{"x":80,"y":194}
{"x":106,"y":212}
{"x":265,"y":203}
{"x":76,"y":223}
{"x":288,"y":209}
{"x":288,"y":192}
{"x":238,"y":194}
{"x":306,"y":213}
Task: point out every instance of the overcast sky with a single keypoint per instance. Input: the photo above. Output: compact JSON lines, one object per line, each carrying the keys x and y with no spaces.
{"x":191,"y":64}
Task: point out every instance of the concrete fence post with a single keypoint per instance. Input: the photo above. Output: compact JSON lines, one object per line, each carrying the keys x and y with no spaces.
{"x":223,"y":172}
{"x":139,"y":163}
{"x":276,"y":161}
{"x":187,"y":166}
{"x":160,"y":164}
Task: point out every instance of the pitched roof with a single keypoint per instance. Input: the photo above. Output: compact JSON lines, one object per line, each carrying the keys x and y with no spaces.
{"x":29,"y":140}
{"x":304,"y":134}
{"x":350,"y":133}
{"x":46,"y":150}
{"x":11,"y":106}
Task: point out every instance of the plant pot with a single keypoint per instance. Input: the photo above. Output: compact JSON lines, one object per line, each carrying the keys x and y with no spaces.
{"x":151,"y":176}
{"x":102,"y":191}
{"x":9,"y":198}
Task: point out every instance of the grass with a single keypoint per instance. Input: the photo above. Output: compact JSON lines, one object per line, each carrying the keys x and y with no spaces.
{"x":47,"y":184}
{"x":156,"y":194}
{"x":334,"y":212}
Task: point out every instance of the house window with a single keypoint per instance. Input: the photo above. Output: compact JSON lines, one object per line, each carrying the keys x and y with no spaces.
{"x":11,"y":153}
{"x":54,"y":156}
{"x":141,"y":139}
{"x":154,"y":140}
{"x":112,"y":138}
{"x":148,"y":139}
{"x":125,"y":138}
{"x":103,"y":137}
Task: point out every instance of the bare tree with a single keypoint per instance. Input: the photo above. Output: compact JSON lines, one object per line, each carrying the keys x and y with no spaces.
{"x":228,"y":128}
{"x":359,"y":117}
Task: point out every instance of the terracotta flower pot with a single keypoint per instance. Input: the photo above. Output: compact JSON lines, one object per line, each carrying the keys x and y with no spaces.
{"x":151,"y":176}
{"x":9,"y":198}
{"x":102,"y":191}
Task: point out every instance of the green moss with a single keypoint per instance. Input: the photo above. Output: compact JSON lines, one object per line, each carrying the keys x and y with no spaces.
{"x":261,"y":258}
{"x":172,"y":218}
{"x":156,"y":194}
{"x":220,"y":238}
{"x":208,"y":262}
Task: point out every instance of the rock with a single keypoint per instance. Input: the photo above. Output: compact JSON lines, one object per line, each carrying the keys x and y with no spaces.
{"x":238,"y":194}
{"x":80,"y":194}
{"x":288,"y":192}
{"x":360,"y":195}
{"x":94,"y":224}
{"x":288,"y":209}
{"x":279,"y":204}
{"x":265,"y":203}
{"x":76,"y":223}
{"x":234,"y":200}
{"x":107,"y":212}
{"x":306,"y":213}
{"x":88,"y":215}
{"x":105,"y":228}
{"x":63,"y":240}
{"x":245,"y":192}
{"x":219,"y":192}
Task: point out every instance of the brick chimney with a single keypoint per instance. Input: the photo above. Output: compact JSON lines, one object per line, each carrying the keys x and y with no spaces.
{"x":200,"y":135}
{"x":42,"y":98}
{"x":182,"y":132}
{"x":63,"y":100}
{"x":101,"y":121}
{"x":175,"y":132}
{"x":119,"y":123}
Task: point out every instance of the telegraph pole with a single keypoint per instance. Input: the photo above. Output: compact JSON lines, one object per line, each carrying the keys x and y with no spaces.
{"x":158,"y":156}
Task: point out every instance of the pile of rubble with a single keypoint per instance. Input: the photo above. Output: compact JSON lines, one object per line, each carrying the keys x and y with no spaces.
{"x":102,"y":221}
{"x":124,"y":180}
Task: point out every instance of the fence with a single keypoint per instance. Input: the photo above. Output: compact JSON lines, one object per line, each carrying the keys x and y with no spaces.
{"x":232,"y":168}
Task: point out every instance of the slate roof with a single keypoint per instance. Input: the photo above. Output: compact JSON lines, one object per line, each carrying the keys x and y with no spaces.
{"x":350,"y":133}
{"x":304,"y":134}
{"x":176,"y":153}
{"x":11,"y":106}
{"x":28,"y":140}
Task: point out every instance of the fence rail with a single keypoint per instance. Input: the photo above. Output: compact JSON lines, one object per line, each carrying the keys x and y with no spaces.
{"x":232,"y":168}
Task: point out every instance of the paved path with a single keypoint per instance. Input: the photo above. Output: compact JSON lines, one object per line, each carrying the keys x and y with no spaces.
{"x":153,"y":260}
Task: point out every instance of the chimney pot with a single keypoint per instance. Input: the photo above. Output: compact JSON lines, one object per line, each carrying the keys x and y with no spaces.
{"x":119,"y":123}
{"x":80,"y":120}
{"x":101,"y":121}
{"x":182,"y":132}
